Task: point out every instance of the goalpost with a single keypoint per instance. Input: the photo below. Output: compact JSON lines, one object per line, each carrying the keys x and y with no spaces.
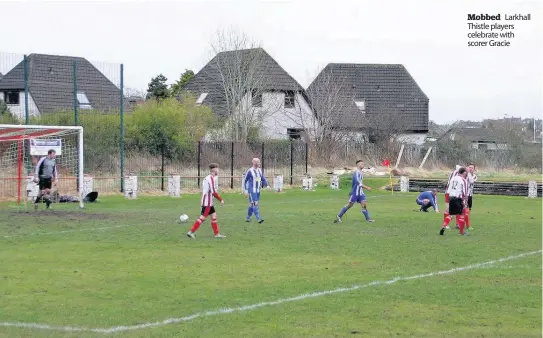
{"x":21,"y":146}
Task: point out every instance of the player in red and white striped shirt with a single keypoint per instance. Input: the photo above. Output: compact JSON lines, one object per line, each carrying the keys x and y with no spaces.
{"x":209,"y":193}
{"x":458,"y":195}
{"x":471,"y":179}
{"x":451,"y":176}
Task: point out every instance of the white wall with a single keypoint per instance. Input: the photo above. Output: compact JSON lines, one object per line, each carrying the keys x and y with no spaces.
{"x":18,"y":110}
{"x":273,"y":117}
{"x":417,"y":139}
{"x":277,"y":119}
{"x":489,"y":146}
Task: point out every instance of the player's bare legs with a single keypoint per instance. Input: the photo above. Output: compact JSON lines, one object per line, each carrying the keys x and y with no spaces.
{"x":365,"y":212}
{"x":343,"y":211}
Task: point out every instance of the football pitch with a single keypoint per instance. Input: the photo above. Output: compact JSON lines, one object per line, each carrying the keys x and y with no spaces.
{"x":126,"y":268}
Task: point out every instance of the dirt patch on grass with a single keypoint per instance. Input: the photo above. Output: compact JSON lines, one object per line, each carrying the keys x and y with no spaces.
{"x":65,"y":215}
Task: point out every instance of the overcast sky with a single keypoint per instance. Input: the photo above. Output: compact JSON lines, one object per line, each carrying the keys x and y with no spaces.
{"x":429,"y":37}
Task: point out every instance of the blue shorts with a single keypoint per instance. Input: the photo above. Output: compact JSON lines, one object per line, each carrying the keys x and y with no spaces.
{"x":357,"y":198}
{"x":254,"y":197}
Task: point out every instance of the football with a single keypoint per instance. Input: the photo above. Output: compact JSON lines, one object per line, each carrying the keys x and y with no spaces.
{"x":183,"y":218}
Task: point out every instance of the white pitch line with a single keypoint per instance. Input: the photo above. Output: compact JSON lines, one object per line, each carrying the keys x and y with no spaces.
{"x":116,"y":329}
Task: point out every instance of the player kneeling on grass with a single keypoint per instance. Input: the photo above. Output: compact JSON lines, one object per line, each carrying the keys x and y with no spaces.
{"x":209,"y":193}
{"x":428,"y":199}
{"x":458,"y":192}
{"x":46,"y":175}
{"x":357,"y":194}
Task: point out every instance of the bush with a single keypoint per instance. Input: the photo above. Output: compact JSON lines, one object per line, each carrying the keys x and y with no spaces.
{"x":168,"y":127}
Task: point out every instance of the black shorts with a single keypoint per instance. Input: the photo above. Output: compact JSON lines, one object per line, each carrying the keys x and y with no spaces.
{"x":45,"y":183}
{"x":206,"y":211}
{"x":456,"y":206}
{"x":470,"y":202}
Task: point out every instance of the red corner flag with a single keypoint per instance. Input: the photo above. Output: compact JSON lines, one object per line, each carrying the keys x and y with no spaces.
{"x":386,"y":163}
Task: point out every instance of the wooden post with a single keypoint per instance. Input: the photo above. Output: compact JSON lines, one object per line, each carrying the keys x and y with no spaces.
{"x":399,"y":156}
{"x":425,"y":157}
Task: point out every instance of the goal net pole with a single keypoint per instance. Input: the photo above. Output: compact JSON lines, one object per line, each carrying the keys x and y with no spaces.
{"x":18,"y":134}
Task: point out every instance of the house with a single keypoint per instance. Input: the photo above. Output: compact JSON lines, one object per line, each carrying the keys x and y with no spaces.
{"x":477,"y":138}
{"x":248,"y":87}
{"x":51,"y":86}
{"x":367,"y":99}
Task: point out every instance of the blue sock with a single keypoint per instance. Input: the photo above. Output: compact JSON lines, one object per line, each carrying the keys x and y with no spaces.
{"x":342,"y":212}
{"x":250,"y":212}
{"x":366,"y":214}
{"x":256,"y":209}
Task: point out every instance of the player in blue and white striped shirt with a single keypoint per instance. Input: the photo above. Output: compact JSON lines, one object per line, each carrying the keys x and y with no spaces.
{"x":253,"y":184}
{"x":357,"y":194}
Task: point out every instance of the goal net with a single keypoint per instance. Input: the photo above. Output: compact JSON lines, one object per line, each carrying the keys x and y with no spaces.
{"x":21,"y":147}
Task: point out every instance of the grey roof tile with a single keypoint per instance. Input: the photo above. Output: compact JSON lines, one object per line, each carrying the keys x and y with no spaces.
{"x":270,"y":74}
{"x":50,"y":83}
{"x":384,"y":88}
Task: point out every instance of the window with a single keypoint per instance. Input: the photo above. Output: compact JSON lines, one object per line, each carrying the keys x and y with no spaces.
{"x":257,"y":99}
{"x":295,"y":134}
{"x":201,"y":98}
{"x":361,"y":105}
{"x":289,"y":99}
{"x":11,"y":97}
{"x":83,"y":101}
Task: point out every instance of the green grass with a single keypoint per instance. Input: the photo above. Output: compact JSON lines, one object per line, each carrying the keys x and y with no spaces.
{"x":133,"y":264}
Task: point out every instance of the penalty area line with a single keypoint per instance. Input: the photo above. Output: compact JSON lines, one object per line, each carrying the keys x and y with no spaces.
{"x":174,"y":320}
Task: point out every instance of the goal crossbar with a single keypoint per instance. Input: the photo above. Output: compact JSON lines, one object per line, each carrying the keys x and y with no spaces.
{"x":19,"y":133}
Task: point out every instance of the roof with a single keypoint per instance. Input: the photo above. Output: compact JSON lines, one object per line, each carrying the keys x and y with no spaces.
{"x":270,"y":75}
{"x":51,"y":83}
{"x":382,"y":87}
{"x":476,"y":134}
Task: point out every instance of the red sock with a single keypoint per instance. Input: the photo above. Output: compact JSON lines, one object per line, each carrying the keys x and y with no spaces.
{"x":461,"y":223}
{"x":446,"y":219}
{"x":466,"y":218}
{"x":445,"y":215}
{"x":215,"y":226}
{"x":196,"y":225}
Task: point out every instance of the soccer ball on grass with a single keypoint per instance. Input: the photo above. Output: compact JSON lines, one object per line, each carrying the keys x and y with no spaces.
{"x":183,"y":218}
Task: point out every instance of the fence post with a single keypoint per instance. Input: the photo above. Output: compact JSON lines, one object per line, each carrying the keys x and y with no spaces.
{"x":162,"y":169}
{"x":232,"y":168}
{"x":76,"y":108}
{"x":404,"y":184}
{"x":199,"y":159}
{"x":532,"y":189}
{"x":122,"y":126}
{"x":27,"y":114}
{"x":306,"y":158}
{"x":291,"y":162}
{"x":262,"y":162}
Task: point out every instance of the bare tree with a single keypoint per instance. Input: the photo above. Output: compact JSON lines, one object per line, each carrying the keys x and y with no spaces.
{"x":242,"y":67}
{"x":385,"y":126}
{"x":333,"y":116}
{"x":133,"y":92}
